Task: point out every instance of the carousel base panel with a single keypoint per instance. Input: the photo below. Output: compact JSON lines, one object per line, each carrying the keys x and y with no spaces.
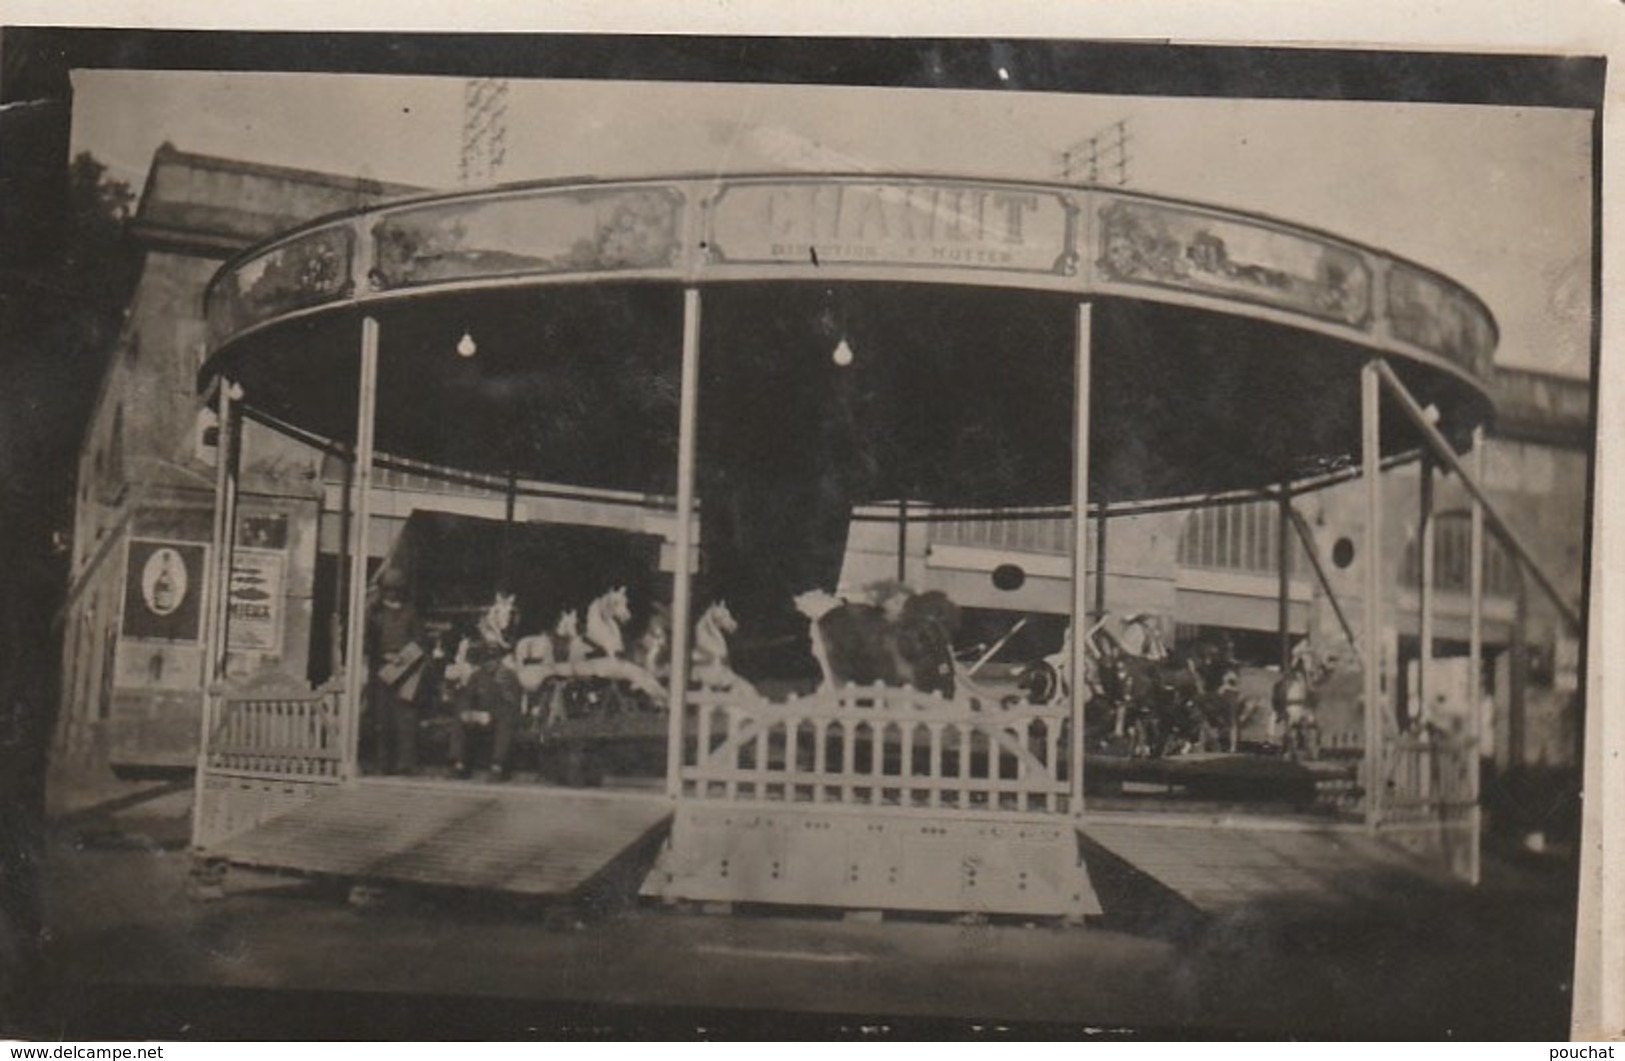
{"x":867,"y":859}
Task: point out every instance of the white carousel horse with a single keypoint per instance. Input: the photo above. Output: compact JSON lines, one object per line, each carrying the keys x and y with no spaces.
{"x":490,"y":639}
{"x":554,"y":655}
{"x":604,"y":619}
{"x":569,"y":647}
{"x":572,"y":653}
{"x":709,"y":658}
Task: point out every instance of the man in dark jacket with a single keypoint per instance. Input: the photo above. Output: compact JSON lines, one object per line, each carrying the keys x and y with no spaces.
{"x":395,"y":651}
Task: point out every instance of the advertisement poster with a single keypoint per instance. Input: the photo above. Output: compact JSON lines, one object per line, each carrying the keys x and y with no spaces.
{"x":163,"y":590}
{"x":254,"y":600}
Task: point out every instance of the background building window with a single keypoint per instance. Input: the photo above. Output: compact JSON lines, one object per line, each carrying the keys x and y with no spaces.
{"x":1452,"y":559}
{"x":1242,"y":537}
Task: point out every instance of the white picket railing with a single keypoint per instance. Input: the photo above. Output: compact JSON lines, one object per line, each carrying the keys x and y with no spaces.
{"x":1427,"y":778}
{"x":294,"y":734}
{"x":876,"y":746}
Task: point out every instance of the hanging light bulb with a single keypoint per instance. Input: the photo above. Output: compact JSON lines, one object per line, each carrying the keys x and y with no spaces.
{"x":843,"y":353}
{"x":466,"y":346}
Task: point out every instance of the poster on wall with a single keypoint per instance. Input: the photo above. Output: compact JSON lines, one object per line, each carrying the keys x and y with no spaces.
{"x":163,"y":590}
{"x":254,"y":600}
{"x":263,"y":532}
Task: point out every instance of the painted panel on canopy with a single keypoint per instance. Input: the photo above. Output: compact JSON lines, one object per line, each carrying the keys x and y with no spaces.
{"x":577,"y":230}
{"x":1440,"y":317}
{"x":1154,"y":244}
{"x":913,"y":224}
{"x":304,"y":271}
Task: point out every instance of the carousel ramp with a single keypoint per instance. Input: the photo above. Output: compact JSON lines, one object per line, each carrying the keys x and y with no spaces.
{"x":529,"y":841}
{"x":1221,"y":867}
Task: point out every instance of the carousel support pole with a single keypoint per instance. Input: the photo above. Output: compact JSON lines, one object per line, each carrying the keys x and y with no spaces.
{"x":212,"y":639}
{"x":230,"y":452}
{"x":1080,"y":547}
{"x":355,"y":664}
{"x":1283,"y":565}
{"x":683,"y":576}
{"x":1100,"y":562}
{"x":341,"y":591}
{"x":509,"y":511}
{"x":1371,"y":471}
{"x":902,"y":540}
{"x":217,"y":552}
{"x":1422,"y":712}
{"x":1475,"y":660}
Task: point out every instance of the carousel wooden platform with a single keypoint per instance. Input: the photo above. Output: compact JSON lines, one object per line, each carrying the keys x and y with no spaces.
{"x":1219,"y":866}
{"x":526,"y":840}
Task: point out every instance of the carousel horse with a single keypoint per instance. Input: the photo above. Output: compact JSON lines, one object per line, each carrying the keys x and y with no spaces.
{"x":489,"y":642}
{"x":903,"y":640}
{"x":605,"y":617}
{"x":601,"y":652}
{"x":1294,"y":699}
{"x":711,"y":668}
{"x":652,"y":649}
{"x":555,"y":655}
{"x":569,"y":647}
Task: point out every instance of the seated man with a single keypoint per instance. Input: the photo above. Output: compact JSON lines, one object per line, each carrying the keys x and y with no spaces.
{"x":490,"y":691}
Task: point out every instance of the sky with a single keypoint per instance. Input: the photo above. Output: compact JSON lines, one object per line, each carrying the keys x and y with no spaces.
{"x":1498,"y":198}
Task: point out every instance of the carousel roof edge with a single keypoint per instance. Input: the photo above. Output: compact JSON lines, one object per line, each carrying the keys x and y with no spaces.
{"x":399,"y":196}
{"x":677,"y":228}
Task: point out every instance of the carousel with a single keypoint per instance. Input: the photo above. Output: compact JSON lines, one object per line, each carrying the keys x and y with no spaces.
{"x":684,"y":399}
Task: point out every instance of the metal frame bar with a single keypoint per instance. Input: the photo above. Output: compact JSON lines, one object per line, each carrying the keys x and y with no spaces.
{"x":683,"y":575}
{"x":1441,"y":447}
{"x":1080,"y":544}
{"x":1301,"y":526}
{"x":355,"y":678}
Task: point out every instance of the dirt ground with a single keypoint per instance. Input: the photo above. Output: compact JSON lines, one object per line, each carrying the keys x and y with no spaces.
{"x":127,"y":951}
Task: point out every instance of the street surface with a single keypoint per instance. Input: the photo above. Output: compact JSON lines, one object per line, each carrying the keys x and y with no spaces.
{"x":129,"y":950}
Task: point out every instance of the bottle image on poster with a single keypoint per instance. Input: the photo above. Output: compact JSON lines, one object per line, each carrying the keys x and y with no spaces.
{"x":163,"y":590}
{"x":163,"y":582}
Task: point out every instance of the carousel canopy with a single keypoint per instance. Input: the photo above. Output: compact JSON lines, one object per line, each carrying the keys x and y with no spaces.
{"x":875,"y":337}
